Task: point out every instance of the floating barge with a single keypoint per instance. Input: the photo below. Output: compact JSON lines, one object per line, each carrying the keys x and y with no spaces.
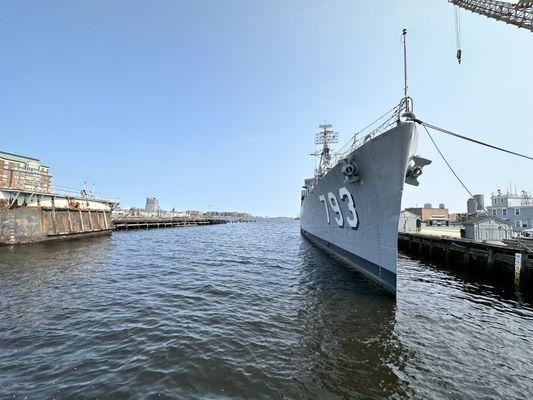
{"x":29,"y":217}
{"x":32,"y":211}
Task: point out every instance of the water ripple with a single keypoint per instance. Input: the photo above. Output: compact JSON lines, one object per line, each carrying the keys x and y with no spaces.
{"x":248,"y":311}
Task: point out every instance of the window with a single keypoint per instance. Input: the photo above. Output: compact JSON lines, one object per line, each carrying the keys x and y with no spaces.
{"x":493,"y":211}
{"x":518,"y":223}
{"x":524,"y":224}
{"x":504,"y":211}
{"x":516,"y":211}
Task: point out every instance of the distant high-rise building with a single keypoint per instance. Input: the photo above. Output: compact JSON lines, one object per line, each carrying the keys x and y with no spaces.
{"x":475,"y":204}
{"x":152,"y":205}
{"x":480,"y":200}
{"x":471,"y":205}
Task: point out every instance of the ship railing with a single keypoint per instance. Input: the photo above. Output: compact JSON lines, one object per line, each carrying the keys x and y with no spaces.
{"x":374,"y":129}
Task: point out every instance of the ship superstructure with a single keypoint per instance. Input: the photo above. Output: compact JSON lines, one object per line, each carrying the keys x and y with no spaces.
{"x":326,"y":137}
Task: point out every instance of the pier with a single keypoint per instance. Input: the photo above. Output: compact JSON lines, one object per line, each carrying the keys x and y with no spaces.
{"x":509,"y":263}
{"x":126,"y":223}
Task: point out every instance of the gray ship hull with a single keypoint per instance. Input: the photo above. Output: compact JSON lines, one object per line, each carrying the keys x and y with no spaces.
{"x":357,"y":220}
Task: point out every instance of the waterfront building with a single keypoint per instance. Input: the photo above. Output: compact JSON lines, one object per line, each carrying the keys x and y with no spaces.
{"x":460,"y":217}
{"x":487,"y":228}
{"x":513,"y":207}
{"x":136,"y":212}
{"x":431,"y":216}
{"x":152,"y":205}
{"x":409,"y":222}
{"x":24,"y":173}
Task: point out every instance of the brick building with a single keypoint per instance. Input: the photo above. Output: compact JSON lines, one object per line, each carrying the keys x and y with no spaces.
{"x":432,"y":216}
{"x":24,"y":173}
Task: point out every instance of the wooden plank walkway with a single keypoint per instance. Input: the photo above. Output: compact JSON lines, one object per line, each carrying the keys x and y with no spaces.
{"x":152,"y":223}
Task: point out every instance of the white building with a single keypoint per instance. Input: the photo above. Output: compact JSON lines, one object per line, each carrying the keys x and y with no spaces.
{"x":409,"y":222}
{"x":515,"y":208}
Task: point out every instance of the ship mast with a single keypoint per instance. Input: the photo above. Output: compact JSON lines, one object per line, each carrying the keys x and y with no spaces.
{"x":406,"y":103}
{"x":325,"y":137}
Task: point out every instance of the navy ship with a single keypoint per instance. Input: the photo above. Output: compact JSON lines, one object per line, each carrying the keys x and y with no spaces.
{"x":351,"y":206}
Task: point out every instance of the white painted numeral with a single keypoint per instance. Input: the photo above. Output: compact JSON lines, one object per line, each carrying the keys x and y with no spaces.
{"x":323,"y":200}
{"x":345,"y":194}
{"x":336,"y":209}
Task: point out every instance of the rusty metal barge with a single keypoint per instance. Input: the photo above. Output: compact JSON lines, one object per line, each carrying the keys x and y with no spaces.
{"x":32,"y":210}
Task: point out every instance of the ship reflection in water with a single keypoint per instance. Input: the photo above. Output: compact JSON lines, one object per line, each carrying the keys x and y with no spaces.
{"x":247,"y":311}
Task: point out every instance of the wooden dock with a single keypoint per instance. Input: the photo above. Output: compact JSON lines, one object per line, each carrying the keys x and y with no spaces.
{"x":500,"y":261}
{"x":126,"y":223}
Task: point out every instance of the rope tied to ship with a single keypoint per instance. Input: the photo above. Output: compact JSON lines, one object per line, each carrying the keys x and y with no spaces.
{"x":448,"y":132}
{"x":426,"y":125}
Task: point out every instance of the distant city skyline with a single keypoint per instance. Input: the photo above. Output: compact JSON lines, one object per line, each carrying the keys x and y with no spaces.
{"x":214,"y":105}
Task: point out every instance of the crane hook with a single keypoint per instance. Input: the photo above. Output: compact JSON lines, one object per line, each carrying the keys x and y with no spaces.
{"x":458,"y":34}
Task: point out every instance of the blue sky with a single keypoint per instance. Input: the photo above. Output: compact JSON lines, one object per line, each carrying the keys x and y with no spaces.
{"x":214,"y":104}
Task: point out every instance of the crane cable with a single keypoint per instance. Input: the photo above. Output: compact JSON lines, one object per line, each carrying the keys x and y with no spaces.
{"x":520,"y":242}
{"x":458,"y":33}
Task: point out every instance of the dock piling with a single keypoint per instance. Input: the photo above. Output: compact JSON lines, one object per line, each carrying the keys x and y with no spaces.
{"x":487,"y":259}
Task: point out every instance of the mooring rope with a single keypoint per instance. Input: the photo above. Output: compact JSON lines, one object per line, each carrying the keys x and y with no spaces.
{"x":425,"y":124}
{"x":447,"y":163}
{"x":460,"y":180}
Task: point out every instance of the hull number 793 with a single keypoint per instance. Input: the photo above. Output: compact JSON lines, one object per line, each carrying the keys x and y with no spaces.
{"x":352,"y":219}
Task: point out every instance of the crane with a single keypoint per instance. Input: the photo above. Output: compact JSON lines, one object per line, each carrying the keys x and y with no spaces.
{"x":519,"y":14}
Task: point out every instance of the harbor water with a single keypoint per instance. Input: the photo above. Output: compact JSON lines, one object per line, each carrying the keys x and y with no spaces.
{"x":248,"y":311}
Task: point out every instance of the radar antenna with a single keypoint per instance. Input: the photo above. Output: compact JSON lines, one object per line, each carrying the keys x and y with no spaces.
{"x":325,"y":137}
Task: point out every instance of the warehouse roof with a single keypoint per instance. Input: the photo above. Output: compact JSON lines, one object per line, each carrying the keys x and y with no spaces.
{"x":483,"y":218}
